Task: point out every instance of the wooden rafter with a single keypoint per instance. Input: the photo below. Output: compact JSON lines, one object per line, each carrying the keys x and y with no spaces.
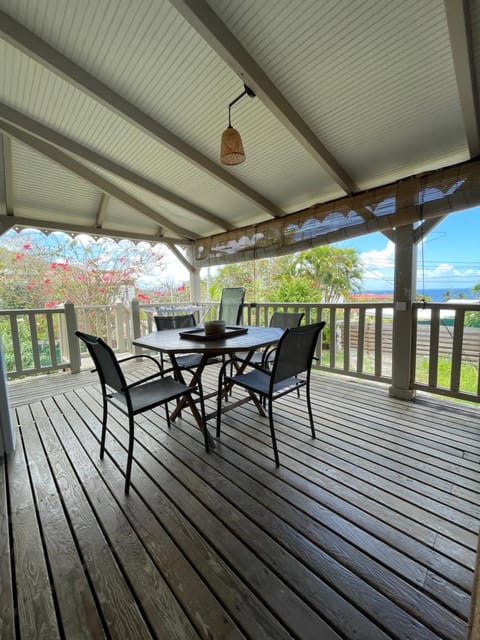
{"x":207,"y":23}
{"x":79,"y":169}
{"x":64,"y":142}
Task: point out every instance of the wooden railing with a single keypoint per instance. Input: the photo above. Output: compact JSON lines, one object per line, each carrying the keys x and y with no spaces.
{"x":37,"y":340}
{"x":357,"y":340}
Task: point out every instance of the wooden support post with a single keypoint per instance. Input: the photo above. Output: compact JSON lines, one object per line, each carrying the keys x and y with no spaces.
{"x":403,"y":296}
{"x":73,"y":342}
{"x":135,"y":314}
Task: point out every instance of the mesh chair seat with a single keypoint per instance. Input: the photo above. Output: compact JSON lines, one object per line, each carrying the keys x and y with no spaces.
{"x":149,"y":395}
{"x":260,"y":382}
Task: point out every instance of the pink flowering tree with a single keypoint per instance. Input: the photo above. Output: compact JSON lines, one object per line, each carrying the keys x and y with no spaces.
{"x":50,"y":271}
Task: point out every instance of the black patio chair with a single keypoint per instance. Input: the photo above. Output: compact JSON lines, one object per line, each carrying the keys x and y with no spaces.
{"x":190,"y":360}
{"x":281,"y":320}
{"x":134,"y":398}
{"x":293,"y":356}
{"x":231,"y":305}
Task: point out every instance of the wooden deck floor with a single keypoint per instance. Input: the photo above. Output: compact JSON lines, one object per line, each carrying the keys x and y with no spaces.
{"x":368,"y":532}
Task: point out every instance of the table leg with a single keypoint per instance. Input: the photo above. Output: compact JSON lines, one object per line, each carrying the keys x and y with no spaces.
{"x":188,"y":399}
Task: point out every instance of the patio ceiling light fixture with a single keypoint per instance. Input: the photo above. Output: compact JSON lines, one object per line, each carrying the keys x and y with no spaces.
{"x":231,"y":149}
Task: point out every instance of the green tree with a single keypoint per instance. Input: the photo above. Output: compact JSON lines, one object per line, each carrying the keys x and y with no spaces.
{"x":323,"y":274}
{"x":335,"y":272}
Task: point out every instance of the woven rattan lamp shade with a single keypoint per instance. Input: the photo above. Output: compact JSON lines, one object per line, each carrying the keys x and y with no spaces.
{"x":231,"y":148}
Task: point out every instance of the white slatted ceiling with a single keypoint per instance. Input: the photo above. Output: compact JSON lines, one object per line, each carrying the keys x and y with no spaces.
{"x":40,"y":184}
{"x":121,"y":217}
{"x":191,"y":97}
{"x":367,"y":77}
{"x":374,"y":81}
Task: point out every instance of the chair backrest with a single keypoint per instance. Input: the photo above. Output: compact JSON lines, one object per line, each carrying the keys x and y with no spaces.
{"x":231,"y":304}
{"x":174,"y":322}
{"x":295,"y":351}
{"x":286,"y":319}
{"x":105,"y":361}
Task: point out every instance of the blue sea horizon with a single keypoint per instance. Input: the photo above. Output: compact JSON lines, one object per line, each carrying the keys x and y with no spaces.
{"x":435,"y":295}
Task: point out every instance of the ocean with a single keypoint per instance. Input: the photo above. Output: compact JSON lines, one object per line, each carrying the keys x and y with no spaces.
{"x":438,"y":295}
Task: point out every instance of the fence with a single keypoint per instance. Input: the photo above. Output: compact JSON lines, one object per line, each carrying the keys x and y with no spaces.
{"x":357,"y":340}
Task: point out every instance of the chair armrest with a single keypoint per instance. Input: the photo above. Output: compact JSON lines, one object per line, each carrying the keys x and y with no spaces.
{"x":142,"y":356}
{"x":142,"y":380}
{"x":267,"y":355}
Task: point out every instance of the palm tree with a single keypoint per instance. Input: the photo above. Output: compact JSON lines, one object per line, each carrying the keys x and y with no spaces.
{"x":336,"y":272}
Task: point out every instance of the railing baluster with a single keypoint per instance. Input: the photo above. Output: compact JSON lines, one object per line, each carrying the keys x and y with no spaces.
{"x":378,"y":353}
{"x":32,"y":319}
{"x":346,"y":339}
{"x":361,"y":340}
{"x":457,"y":349}
{"x":433,"y":351}
{"x":51,"y":340}
{"x":16,"y":342}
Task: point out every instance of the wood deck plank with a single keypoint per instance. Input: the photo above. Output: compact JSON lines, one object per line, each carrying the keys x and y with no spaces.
{"x":37,"y":616}
{"x":344,"y":570}
{"x":7,"y":614}
{"x":286,"y":605}
{"x":368,"y":531}
{"x":242,"y":605}
{"x":345,"y":540}
{"x":144,"y":605}
{"x":372,"y":488}
{"x":119,"y":609}
{"x":77,"y":609}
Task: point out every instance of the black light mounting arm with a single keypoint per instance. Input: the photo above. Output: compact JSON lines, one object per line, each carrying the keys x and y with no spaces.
{"x":247,"y":92}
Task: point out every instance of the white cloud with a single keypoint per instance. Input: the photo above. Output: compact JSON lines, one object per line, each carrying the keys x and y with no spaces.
{"x":381,"y":259}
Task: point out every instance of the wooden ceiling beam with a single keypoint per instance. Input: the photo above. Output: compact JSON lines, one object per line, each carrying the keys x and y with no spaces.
{"x":102,"y":211}
{"x":207,"y":23}
{"x":66,"y":161}
{"x":7,"y":174}
{"x":64,"y":142}
{"x":30,"y":44}
{"x":459,"y":29}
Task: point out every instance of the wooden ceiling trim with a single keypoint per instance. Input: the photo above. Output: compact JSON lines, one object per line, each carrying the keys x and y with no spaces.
{"x":42,"y":224}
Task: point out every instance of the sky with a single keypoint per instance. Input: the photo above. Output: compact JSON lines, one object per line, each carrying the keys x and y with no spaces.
{"x":448,"y":259}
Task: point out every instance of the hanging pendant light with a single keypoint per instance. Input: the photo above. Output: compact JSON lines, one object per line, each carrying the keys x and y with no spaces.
{"x":231,"y":148}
